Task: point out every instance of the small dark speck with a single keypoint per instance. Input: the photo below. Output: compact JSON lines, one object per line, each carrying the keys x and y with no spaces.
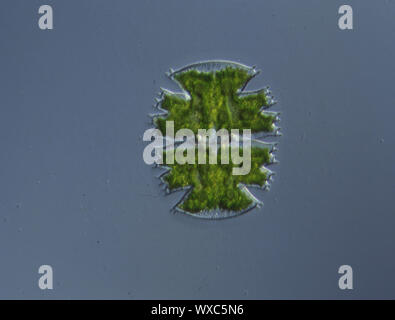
{"x":18,"y":205}
{"x":382,"y":140}
{"x":98,"y":241}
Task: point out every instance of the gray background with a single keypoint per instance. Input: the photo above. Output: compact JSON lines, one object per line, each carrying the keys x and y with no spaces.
{"x":76,"y":194}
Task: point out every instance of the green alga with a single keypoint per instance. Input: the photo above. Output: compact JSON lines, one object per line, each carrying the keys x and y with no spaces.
{"x":212,"y":100}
